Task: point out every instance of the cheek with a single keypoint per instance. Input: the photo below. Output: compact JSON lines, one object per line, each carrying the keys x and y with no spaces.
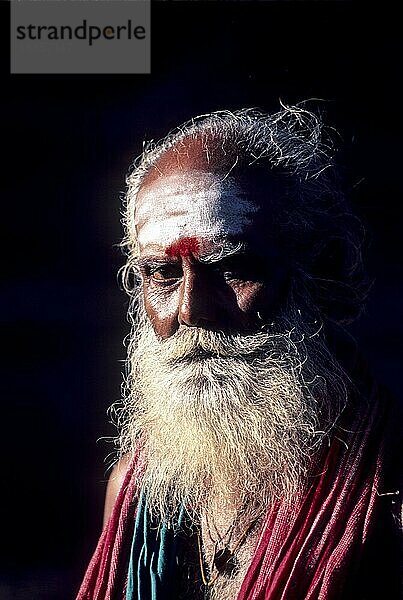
{"x":249,"y":296}
{"x":162,"y":310}
{"x":253,"y":297}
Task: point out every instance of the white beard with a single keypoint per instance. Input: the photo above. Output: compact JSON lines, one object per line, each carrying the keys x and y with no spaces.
{"x":238,"y":416}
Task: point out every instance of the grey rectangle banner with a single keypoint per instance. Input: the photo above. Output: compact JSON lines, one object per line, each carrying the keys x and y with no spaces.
{"x":80,"y":36}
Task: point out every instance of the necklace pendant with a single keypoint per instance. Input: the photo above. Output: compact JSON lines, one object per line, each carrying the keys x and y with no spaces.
{"x":222,"y":558}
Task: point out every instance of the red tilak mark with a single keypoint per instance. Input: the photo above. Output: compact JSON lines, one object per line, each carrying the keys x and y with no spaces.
{"x":184,"y":247}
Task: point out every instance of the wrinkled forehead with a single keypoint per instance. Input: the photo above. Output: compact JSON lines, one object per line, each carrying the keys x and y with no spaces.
{"x":192,"y":204}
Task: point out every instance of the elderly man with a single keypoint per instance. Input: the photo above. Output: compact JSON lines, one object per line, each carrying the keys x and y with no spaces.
{"x":255,"y":449}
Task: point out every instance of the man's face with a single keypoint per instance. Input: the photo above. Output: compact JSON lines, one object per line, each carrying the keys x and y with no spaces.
{"x":222,"y":415}
{"x":207,"y":254}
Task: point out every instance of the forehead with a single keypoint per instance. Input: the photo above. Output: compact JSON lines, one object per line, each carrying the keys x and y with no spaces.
{"x":193,"y":204}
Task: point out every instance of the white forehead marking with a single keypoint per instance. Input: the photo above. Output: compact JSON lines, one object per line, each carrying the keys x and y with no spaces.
{"x":197,"y":204}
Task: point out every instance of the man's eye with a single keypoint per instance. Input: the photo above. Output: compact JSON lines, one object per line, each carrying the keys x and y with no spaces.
{"x":243,"y":273}
{"x":238,"y":272}
{"x":242,"y":269}
{"x":231,"y":275}
{"x":240,"y":275}
{"x":166,"y":274}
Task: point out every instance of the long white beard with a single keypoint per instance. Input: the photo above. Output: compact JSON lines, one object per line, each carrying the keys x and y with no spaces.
{"x":238,"y":416}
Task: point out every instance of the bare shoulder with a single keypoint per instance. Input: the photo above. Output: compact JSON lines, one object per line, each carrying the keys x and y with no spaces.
{"x":114,"y":484}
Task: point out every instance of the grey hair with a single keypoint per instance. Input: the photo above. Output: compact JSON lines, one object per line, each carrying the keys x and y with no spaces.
{"x":317,"y":233}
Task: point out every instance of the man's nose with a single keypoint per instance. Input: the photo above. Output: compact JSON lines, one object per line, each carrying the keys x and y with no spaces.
{"x":196,"y":302}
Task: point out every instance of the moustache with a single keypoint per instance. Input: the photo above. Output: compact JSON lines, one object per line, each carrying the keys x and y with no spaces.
{"x":197,"y":344}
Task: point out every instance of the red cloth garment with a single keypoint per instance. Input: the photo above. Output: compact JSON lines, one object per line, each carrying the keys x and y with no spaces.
{"x":313,"y":549}
{"x":332,"y":543}
{"x":106,"y":575}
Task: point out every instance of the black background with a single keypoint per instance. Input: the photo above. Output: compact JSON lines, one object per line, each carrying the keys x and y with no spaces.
{"x":67,"y":142}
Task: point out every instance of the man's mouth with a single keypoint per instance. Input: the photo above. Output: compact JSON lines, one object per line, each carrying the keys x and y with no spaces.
{"x":196,"y":355}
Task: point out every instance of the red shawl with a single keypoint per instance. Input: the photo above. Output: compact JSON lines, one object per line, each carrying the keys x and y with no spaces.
{"x":313,"y":550}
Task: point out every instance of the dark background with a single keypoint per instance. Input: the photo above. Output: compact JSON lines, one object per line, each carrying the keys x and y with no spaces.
{"x":67,"y":142}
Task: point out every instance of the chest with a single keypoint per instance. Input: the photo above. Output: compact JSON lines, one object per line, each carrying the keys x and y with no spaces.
{"x":200,"y":577}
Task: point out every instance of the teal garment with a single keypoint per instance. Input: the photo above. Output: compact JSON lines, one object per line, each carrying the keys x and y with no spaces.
{"x":154,"y":558}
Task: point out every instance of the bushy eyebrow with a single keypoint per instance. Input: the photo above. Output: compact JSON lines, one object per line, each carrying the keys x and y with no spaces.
{"x":155,"y":261}
{"x":225,"y":250}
